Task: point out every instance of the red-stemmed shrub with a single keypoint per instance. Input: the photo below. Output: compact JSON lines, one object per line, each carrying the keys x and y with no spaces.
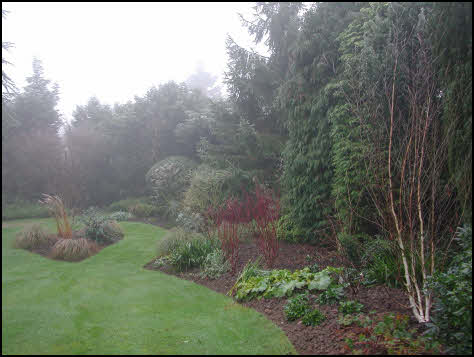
{"x":261,"y":207}
{"x":266,"y":212}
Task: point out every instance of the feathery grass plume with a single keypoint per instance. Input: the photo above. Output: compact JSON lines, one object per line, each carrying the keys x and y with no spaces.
{"x":73,"y":249}
{"x":58,"y":210}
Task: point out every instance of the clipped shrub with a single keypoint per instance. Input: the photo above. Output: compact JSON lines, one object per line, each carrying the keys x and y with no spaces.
{"x":142,"y":210}
{"x":73,"y":249}
{"x":452,"y":314}
{"x":313,"y":318}
{"x":169,"y":178}
{"x":32,"y":237}
{"x":214,"y":265}
{"x":120,"y":216}
{"x":297,"y":307}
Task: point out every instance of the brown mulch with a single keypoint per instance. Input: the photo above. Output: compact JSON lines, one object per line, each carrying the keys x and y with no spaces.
{"x":327,"y":338}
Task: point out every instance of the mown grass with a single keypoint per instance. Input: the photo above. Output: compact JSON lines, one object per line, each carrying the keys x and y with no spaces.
{"x":109,"y":304}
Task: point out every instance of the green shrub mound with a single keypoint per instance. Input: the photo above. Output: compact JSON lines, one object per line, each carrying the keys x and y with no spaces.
{"x":190,"y":221}
{"x":32,"y":237}
{"x":73,"y":249}
{"x":279,"y":283}
{"x":214,"y":265}
{"x":287,"y":230}
{"x":100,"y":229}
{"x":112,"y":232}
{"x":297,"y":307}
{"x":168,"y":179}
{"x":206,"y":188}
{"x":452,"y":314}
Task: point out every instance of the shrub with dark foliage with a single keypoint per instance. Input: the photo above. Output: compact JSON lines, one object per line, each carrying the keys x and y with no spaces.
{"x":452,"y":315}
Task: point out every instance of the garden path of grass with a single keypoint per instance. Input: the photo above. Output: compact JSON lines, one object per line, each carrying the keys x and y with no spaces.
{"x":109,"y":304}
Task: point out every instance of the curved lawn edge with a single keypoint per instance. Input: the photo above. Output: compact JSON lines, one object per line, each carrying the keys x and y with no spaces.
{"x":109,"y":303}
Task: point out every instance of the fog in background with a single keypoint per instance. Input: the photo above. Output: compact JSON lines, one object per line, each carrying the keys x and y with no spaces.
{"x":115,"y":51}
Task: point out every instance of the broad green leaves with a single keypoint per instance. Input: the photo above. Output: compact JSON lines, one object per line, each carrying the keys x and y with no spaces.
{"x":280,"y":283}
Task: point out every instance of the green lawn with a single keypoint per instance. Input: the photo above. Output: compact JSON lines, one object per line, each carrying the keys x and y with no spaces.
{"x":109,"y":304}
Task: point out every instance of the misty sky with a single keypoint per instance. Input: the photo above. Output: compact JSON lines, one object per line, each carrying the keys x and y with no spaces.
{"x":118,"y":50}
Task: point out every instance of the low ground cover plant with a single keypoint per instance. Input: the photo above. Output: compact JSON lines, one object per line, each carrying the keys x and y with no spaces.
{"x":390,"y":334}
{"x":279,"y":283}
{"x":297,"y":307}
{"x":350,"y":307}
{"x":313,"y":318}
{"x":332,"y":295}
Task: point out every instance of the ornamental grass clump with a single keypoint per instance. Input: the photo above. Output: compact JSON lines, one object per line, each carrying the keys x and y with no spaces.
{"x":56,"y":207}
{"x":32,"y":237}
{"x":73,"y":249}
{"x":185,"y":250}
